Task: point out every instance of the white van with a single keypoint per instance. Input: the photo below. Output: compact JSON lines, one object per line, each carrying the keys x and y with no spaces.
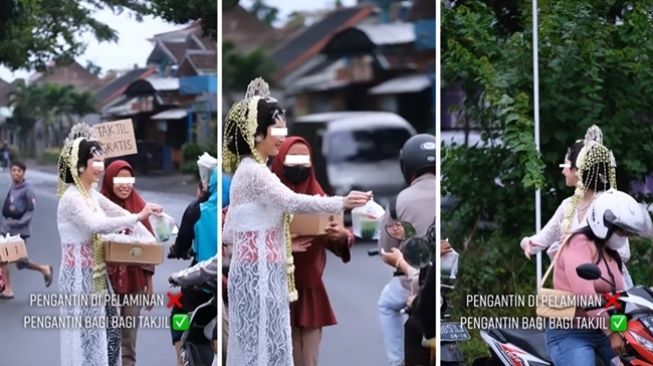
{"x":356,"y":150}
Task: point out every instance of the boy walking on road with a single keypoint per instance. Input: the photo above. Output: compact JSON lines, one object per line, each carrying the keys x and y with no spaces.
{"x":17,"y":212}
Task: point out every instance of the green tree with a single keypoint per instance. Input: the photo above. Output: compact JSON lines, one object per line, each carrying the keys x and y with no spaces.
{"x":264,"y":12}
{"x":93,"y":68}
{"x":26,"y":102}
{"x":228,"y":4}
{"x":56,"y":106}
{"x":35,"y":32}
{"x":239,"y":69}
{"x":595,"y":68}
{"x":184,"y":11}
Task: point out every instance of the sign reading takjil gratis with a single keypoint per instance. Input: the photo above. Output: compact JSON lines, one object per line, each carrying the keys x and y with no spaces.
{"x":117,"y":138}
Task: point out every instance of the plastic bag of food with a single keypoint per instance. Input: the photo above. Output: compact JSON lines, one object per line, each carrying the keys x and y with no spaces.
{"x":366,"y":220}
{"x":164,"y":227}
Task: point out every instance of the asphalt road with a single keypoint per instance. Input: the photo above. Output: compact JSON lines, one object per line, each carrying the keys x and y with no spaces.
{"x":26,"y":346}
{"x":353,"y":290}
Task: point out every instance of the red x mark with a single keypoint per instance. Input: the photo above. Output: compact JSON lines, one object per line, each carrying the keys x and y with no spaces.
{"x":174,"y":299}
{"x":612,"y":300}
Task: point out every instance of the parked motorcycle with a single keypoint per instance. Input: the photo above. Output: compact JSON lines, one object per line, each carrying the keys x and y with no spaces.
{"x":451,"y":332}
{"x":527,"y":347}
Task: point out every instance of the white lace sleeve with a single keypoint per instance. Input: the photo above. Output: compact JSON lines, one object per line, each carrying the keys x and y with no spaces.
{"x":227,"y":230}
{"x":266,"y":184}
{"x":109,"y":207}
{"x":80,"y":213}
{"x":551,"y":232}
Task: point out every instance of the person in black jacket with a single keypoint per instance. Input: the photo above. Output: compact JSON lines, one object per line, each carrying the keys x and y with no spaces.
{"x":421,"y":324}
{"x":184,"y":241}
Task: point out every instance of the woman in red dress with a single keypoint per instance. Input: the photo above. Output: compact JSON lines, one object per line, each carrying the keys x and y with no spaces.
{"x":132,"y":279}
{"x":312,"y":310}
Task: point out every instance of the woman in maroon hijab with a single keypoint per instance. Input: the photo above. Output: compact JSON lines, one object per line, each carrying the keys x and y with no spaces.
{"x":118,"y":186}
{"x":312,"y":310}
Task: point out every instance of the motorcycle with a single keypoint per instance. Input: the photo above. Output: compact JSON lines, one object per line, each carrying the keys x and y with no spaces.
{"x":527,"y":347}
{"x":419,"y":253}
{"x":198,"y":342}
{"x":451,"y":332}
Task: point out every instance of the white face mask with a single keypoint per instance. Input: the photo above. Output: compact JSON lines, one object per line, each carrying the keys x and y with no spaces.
{"x":617,"y":242}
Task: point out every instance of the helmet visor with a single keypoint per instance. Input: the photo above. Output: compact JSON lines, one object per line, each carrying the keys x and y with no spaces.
{"x":641,"y":226}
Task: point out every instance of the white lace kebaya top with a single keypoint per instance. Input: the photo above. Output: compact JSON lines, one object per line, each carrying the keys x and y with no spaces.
{"x":78,"y":219}
{"x":552,"y":233}
{"x":259,"y":312}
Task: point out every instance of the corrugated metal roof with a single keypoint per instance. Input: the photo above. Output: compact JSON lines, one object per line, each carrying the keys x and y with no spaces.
{"x":163,"y":84}
{"x":121,"y":107}
{"x":402,"y":84}
{"x":175,"y":113}
{"x":121,"y":83}
{"x":385,"y":34}
{"x":312,"y":35}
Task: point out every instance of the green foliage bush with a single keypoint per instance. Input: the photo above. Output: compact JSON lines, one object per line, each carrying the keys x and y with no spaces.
{"x":592,"y":71}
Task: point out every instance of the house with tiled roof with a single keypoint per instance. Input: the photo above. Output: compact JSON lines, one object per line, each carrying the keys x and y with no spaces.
{"x":109,"y":93}
{"x":244,"y":30}
{"x":384,"y":62}
{"x":171,"y":48}
{"x":172,"y":102}
{"x":72,"y":74}
{"x":302,"y":51}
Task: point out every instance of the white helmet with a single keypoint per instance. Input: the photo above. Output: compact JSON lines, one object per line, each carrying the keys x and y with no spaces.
{"x":615,"y":209}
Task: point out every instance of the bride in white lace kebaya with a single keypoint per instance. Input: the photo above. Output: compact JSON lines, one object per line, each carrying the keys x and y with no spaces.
{"x":261,"y":274}
{"x":82,"y":214}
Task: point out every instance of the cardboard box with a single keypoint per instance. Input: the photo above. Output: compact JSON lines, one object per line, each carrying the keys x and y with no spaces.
{"x":133,"y":253}
{"x":12,"y":251}
{"x":304,"y":224}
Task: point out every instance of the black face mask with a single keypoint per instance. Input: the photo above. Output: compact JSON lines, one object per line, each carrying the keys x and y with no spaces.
{"x":296,"y":174}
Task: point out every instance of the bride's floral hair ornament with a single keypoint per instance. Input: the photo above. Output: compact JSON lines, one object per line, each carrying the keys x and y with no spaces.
{"x":242,"y":125}
{"x":68,"y":172}
{"x":596,"y":163}
{"x":596,"y":171}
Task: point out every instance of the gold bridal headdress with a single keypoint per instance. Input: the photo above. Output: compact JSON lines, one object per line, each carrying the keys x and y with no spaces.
{"x":593,"y":153}
{"x":242,"y":122}
{"x":70,"y":153}
{"x":588,"y":165}
{"x":68,"y":160}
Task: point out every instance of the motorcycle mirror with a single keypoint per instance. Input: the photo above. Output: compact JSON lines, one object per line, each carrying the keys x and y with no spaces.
{"x":588,"y":271}
{"x":417,"y":252}
{"x":400,"y":230}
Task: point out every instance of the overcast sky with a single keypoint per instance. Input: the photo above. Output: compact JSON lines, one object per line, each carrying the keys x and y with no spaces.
{"x":288,"y":6}
{"x":132,"y":46}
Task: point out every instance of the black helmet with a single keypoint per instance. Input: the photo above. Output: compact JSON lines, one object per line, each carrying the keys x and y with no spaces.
{"x":418,"y":153}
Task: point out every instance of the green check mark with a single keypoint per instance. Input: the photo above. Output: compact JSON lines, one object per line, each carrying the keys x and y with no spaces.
{"x":618,"y":323}
{"x":180,"y":322}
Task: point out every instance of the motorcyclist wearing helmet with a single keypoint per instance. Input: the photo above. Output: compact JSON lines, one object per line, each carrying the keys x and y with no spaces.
{"x":416,"y":205}
{"x":612,"y":217}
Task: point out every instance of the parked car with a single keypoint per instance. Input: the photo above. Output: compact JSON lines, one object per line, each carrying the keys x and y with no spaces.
{"x":356,"y":150}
